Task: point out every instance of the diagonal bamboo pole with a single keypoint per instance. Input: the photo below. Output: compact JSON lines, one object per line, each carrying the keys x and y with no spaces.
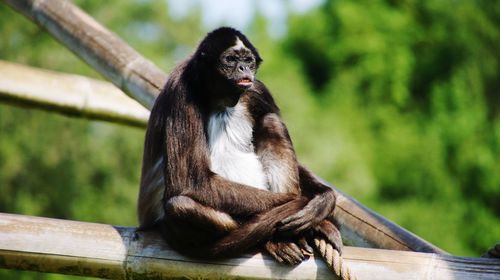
{"x":97,"y":46}
{"x":142,"y":80}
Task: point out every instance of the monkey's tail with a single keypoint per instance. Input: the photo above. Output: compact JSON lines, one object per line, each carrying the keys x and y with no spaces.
{"x":333,"y":259}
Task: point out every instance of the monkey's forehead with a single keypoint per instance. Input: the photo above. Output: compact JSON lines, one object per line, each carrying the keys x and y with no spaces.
{"x":238,"y":44}
{"x":222,"y":39}
{"x":238,"y":47}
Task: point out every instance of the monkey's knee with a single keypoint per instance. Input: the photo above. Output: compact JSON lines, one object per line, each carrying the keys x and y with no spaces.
{"x":186,"y":209}
{"x":180,"y":206}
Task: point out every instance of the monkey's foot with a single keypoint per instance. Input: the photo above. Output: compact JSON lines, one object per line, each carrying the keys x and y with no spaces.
{"x":288,"y":251}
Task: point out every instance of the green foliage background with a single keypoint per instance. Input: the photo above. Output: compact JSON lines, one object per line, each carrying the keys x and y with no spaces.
{"x":395,"y":102}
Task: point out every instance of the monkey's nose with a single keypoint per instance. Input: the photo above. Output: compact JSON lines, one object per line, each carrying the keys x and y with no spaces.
{"x":241,"y":68}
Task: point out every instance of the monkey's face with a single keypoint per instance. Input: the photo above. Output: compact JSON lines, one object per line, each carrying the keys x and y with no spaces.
{"x":238,"y":65}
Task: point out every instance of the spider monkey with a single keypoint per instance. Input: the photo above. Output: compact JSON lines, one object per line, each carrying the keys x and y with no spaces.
{"x":219,"y":174}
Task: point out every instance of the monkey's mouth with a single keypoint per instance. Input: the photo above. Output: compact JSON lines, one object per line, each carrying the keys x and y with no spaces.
{"x":245,"y":82}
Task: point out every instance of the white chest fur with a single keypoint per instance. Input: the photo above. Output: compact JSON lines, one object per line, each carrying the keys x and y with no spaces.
{"x":231,"y":150}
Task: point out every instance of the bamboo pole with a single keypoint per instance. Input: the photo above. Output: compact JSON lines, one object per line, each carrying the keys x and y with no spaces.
{"x":142,"y":80}
{"x":68,"y":94}
{"x":97,"y":46}
{"x":105,"y":251}
{"x":84,"y":97}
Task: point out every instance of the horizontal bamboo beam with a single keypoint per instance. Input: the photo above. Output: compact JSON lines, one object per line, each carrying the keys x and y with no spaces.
{"x":97,"y":46}
{"x":105,"y":251}
{"x":68,"y":94}
{"x":126,"y":68}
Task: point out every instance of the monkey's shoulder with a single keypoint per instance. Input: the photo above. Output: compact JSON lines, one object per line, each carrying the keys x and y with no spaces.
{"x":260,"y":101}
{"x":259,"y":88}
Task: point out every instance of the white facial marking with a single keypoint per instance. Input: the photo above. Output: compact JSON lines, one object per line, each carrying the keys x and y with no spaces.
{"x":231,"y":150}
{"x":239,"y":44}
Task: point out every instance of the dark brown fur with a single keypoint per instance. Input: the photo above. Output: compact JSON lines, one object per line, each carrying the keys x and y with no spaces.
{"x":199,"y":212}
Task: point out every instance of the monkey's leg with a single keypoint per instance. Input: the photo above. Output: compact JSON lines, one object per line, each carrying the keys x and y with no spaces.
{"x":183,"y":207}
{"x":200,"y":231}
{"x":235,"y":239}
{"x":189,"y":225}
{"x":255,"y":232}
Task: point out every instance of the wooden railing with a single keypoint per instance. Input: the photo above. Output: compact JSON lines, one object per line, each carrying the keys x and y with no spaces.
{"x":104,"y":251}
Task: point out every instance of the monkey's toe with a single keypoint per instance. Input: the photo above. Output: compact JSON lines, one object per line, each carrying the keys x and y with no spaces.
{"x":285,"y":252}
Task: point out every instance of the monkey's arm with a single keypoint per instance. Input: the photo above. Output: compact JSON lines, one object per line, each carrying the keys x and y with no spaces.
{"x":234,"y":198}
{"x":276,"y":153}
{"x":275,"y":149}
{"x":286,"y":175}
{"x":320,"y":206}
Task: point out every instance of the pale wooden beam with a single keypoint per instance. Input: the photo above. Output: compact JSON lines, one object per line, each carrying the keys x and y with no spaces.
{"x":105,"y":251}
{"x":362,"y":227}
{"x":97,"y":46}
{"x":142,"y":80}
{"x":68,"y":94}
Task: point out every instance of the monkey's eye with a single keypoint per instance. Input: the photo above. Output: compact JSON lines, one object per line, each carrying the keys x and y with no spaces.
{"x":248,"y":59}
{"x":230,"y":58}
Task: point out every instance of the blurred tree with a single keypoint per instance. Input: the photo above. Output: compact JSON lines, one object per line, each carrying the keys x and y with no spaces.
{"x":417,"y":82}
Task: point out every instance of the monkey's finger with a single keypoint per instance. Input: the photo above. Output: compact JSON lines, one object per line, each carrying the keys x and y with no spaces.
{"x":293,"y":217}
{"x":333,"y":237}
{"x":331,"y":233}
{"x":272,"y":249}
{"x":289,"y":252}
{"x":276,"y":257}
{"x":306,"y":249}
{"x":296,"y":226}
{"x":287,"y":258}
{"x":294,"y":249}
{"x":285,"y":252}
{"x":292,"y":222}
{"x":302,"y":228}
{"x":336,"y":245}
{"x":296,"y":256}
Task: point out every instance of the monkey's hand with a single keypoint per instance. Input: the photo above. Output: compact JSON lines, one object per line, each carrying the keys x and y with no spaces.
{"x":287,"y":251}
{"x":329,"y":232}
{"x":318,"y":209}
